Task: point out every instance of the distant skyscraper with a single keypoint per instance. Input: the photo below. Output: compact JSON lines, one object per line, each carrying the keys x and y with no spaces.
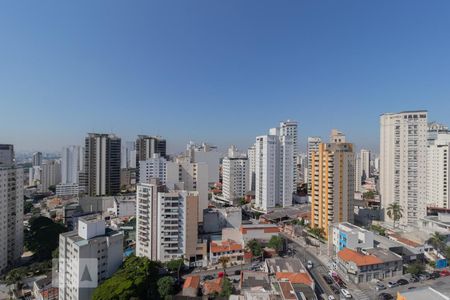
{"x":403,"y":158}
{"x":72,"y":162}
{"x":87,"y":257}
{"x":438,"y":168}
{"x":36,"y":159}
{"x":11,"y":212}
{"x":251,"y":154}
{"x":365,"y":163}
{"x":6,"y":154}
{"x":235,"y":170}
{"x":50,"y":174}
{"x":146,"y":146}
{"x":332,"y":175}
{"x":313,"y":146}
{"x":290,"y":128}
{"x":358,"y":173}
{"x":274,"y":170}
{"x":129,"y":154}
{"x":101,"y":164}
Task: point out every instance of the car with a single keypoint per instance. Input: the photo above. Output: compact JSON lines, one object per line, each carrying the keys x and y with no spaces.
{"x":327,"y":279}
{"x":411,"y":287}
{"x":402,"y":281}
{"x":380,"y":286}
{"x":435,"y":275}
{"x":346,"y":294}
{"x":414,"y":278}
{"x":385,"y":296}
{"x":335,"y":290}
{"x":238,"y":272}
{"x":208,"y":277}
{"x":444,"y":273}
{"x":331,"y":297}
{"x":392,"y":284}
{"x":309,"y":264}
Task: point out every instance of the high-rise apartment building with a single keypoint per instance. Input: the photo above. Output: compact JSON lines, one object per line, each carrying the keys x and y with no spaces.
{"x":146,"y":146}
{"x":11,"y":210}
{"x":438,"y":168}
{"x":208,"y":155}
{"x":290,"y":128}
{"x":403,"y":163}
{"x":274,"y":170}
{"x":101,"y":174}
{"x":235,"y":174}
{"x":87,"y":257}
{"x":365,"y":163}
{"x":251,"y":154}
{"x":166,"y":222}
{"x":72,"y":162}
{"x":36,"y":159}
{"x":312,"y":146}
{"x":129,"y":155}
{"x":50,"y":174}
{"x":6,"y":154}
{"x":332,"y":177}
{"x":358,"y":173}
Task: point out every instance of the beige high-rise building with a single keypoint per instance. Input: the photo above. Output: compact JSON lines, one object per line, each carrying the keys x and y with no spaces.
{"x":403,"y":163}
{"x":332,"y":179}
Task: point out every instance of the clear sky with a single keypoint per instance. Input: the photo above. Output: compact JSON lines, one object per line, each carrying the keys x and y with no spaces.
{"x":218,"y":71}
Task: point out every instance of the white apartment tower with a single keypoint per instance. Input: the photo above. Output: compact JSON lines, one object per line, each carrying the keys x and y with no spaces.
{"x":403,"y":163}
{"x":167,"y":222}
{"x":438,"y":168}
{"x":251,"y":154}
{"x":87,"y":257}
{"x":208,"y":155}
{"x":71,"y":164}
{"x":274,"y":170}
{"x":11,"y":212}
{"x":235,"y":174}
{"x":358,"y":173}
{"x":36,"y":159}
{"x":290,"y":128}
{"x":365,"y":163}
{"x":50,"y":174}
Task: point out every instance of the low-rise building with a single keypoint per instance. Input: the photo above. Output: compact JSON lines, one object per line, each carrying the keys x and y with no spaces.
{"x":216,"y":219}
{"x":43,"y":289}
{"x":228,"y":248}
{"x":346,"y":235}
{"x":67,"y":189}
{"x":288,"y":269}
{"x":191,"y":286}
{"x":255,"y":281}
{"x":211,"y":287}
{"x":261,"y":232}
{"x":364,"y":265}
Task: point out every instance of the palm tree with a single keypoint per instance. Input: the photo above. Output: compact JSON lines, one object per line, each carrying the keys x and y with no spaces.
{"x":224,"y":261}
{"x":395,"y":212}
{"x":437,"y":240}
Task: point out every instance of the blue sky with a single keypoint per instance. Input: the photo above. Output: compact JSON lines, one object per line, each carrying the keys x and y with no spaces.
{"x":219,"y":71}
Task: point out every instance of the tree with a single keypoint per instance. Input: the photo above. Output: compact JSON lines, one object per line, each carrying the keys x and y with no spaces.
{"x":136,"y":278}
{"x":276,"y":242}
{"x":437,"y":240}
{"x":175,"y":265}
{"x":27,"y":206}
{"x":15,"y":276}
{"x":166,"y":286}
{"x":255,"y":247}
{"x":317,"y":231}
{"x":227,"y":288}
{"x":395,"y":212}
{"x":415,"y":268}
{"x":369,"y":195}
{"x":52,"y":188}
{"x":42,"y":237}
{"x":224,"y":261}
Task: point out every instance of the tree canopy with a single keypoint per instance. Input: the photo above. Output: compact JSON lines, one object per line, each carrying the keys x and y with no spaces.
{"x":166,"y":286}
{"x":227,"y":288}
{"x":42,"y":237}
{"x":276,"y":242}
{"x":255,"y":247}
{"x":137,"y":278}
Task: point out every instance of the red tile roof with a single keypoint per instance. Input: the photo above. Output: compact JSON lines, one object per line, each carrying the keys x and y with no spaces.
{"x":213,"y":286}
{"x":358,"y":258}
{"x":192,"y":282}
{"x":304,"y":278}
{"x":225,"y":246}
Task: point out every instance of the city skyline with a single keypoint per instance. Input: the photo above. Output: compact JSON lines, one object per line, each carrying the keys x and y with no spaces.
{"x":68,"y":70}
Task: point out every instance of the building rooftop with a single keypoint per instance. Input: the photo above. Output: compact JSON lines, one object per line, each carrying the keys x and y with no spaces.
{"x":360,"y":259}
{"x":384,"y":255}
{"x":255,"y":280}
{"x":225,"y":246}
{"x":295,"y":277}
{"x":281,"y":264}
{"x":287,"y":290}
{"x":192,"y":282}
{"x":213,"y":286}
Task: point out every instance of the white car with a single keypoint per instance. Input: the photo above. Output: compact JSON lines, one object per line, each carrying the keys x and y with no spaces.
{"x":309,"y":264}
{"x":331,"y":297}
{"x":346,"y":293}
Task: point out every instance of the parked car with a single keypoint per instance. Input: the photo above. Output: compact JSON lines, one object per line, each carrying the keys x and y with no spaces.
{"x":346,"y":294}
{"x":444,"y":273}
{"x":424,"y":276}
{"x":331,"y":297}
{"x":402,"y":281}
{"x":414,"y":278}
{"x":309,"y":264}
{"x":392,"y":284}
{"x":380,"y":286}
{"x":435,"y":275}
{"x":385,"y":296}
